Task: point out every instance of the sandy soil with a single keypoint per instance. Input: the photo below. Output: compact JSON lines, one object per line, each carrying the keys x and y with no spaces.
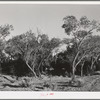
{"x":87,"y":83}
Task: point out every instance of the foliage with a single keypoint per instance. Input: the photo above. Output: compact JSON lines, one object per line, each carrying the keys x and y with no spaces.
{"x":80,"y":30}
{"x":4,"y":31}
{"x":35,"y":51}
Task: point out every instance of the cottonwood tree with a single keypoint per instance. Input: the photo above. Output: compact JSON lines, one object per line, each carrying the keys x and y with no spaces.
{"x":53,"y":43}
{"x":44,"y":54}
{"x":4,"y":32}
{"x":32,"y":49}
{"x":20,"y":46}
{"x":80,"y":30}
{"x":91,"y":48}
{"x":41,"y":53}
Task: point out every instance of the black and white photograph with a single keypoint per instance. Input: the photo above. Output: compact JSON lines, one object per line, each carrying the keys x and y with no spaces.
{"x":50,"y":47}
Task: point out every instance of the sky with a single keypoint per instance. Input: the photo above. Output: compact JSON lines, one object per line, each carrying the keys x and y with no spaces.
{"x":47,"y":18}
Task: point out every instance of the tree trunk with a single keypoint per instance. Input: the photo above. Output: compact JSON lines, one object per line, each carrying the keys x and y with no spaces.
{"x":32,"y":70}
{"x":92,"y":66}
{"x":38,"y":72}
{"x":73,"y":73}
{"x":38,"y":69}
{"x":42,"y":70}
{"x":73,"y":67}
{"x":82,"y":69}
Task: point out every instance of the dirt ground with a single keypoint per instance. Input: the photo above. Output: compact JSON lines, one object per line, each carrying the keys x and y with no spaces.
{"x":87,"y":83}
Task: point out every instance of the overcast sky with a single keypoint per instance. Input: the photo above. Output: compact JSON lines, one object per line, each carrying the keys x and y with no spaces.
{"x":48,"y":18}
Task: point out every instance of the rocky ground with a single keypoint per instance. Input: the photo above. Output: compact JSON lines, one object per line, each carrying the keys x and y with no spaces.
{"x":12,"y":83}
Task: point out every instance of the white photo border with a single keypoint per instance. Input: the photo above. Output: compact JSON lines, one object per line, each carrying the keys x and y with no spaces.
{"x":49,"y":94}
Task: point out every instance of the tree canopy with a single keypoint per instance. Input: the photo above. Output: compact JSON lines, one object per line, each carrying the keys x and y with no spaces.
{"x":80,"y":30}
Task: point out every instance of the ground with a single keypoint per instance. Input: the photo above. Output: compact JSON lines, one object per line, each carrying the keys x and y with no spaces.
{"x":55,"y":83}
